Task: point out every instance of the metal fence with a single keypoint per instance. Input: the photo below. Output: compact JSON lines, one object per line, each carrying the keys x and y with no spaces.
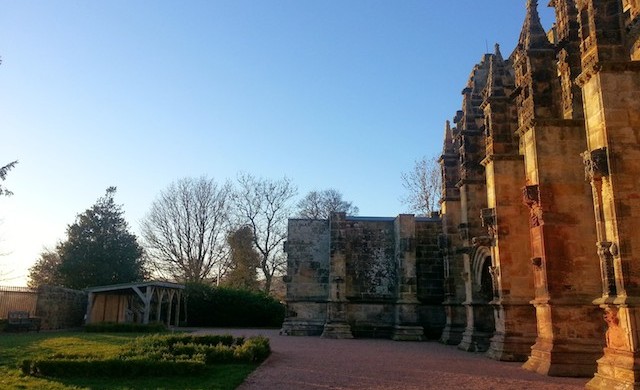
{"x":17,"y":298}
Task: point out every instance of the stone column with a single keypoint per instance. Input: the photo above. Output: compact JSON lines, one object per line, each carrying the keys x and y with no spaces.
{"x":480,"y":323}
{"x":336,"y":326}
{"x":566,"y":272}
{"x":515,"y":321}
{"x":473,"y":198}
{"x":307,"y":278}
{"x":612,"y":163}
{"x":448,"y":243}
{"x":406,"y":314}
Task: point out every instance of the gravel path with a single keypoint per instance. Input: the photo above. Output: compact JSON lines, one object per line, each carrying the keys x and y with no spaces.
{"x":303,"y":363}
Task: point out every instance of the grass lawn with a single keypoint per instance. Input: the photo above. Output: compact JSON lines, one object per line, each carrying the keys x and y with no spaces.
{"x":14,"y":347}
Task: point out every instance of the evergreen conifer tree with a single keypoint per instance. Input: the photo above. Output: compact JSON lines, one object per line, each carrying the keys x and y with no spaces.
{"x":99,"y":249}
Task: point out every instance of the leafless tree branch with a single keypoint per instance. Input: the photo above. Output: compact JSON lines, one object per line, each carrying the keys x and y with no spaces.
{"x":185,"y":230}
{"x":423,"y":186}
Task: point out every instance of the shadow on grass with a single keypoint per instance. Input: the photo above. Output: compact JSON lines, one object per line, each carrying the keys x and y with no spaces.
{"x":221,"y":377}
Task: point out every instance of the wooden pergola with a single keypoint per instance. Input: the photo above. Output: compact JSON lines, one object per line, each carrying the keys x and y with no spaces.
{"x":135,"y":302}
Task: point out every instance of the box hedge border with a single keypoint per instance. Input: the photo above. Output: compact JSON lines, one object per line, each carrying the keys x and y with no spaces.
{"x":157,"y":355}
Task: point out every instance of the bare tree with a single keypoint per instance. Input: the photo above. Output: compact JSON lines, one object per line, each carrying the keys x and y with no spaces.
{"x":185,"y":230}
{"x":423,"y":186}
{"x":320,"y":204}
{"x":264,"y":206}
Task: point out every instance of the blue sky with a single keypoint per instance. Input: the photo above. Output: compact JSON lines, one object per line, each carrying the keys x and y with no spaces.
{"x":332,"y":94}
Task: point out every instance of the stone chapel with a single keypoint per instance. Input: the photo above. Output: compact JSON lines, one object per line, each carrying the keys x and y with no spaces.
{"x":535,"y":255}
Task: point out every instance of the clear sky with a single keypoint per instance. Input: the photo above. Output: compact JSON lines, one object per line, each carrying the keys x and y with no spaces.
{"x":341,"y":94}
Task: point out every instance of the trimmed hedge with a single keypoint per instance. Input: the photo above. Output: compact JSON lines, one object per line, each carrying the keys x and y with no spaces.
{"x":111,"y":367}
{"x":182,"y":338}
{"x":221,"y":306}
{"x":112,"y":327}
{"x":156,"y":355}
{"x":254,"y":350}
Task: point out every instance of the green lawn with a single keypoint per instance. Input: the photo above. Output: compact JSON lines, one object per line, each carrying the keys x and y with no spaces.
{"x":14,"y":347}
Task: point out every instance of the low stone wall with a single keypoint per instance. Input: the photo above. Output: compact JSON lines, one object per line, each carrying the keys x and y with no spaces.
{"x":61,"y":308}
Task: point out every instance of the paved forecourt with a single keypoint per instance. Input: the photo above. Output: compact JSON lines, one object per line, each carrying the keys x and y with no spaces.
{"x":314,"y":363}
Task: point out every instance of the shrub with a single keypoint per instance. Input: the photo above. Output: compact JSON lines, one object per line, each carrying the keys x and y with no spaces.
{"x":221,"y":306}
{"x":219,"y":354}
{"x":168,"y":342}
{"x":255,"y":350}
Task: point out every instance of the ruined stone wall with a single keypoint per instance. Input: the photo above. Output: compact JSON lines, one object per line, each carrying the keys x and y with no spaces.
{"x":369,"y":247}
{"x":429,"y":273}
{"x":307,"y":278}
{"x":361,"y":276}
{"x":371,"y":279}
{"x":60,"y":308}
{"x":430,"y":266}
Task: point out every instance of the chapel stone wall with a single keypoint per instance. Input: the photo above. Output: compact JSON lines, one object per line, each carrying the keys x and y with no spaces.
{"x":307,"y":279}
{"x":364,"y":277}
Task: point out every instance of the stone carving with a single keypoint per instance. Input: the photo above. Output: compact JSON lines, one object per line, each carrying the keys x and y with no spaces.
{"x":488,"y":218}
{"x":615,"y":336}
{"x":531,"y":198}
{"x":614,"y":249}
{"x":482,"y":241}
{"x":606,"y":267}
{"x":530,"y":195}
{"x":494,"y":271}
{"x":565,"y":81}
{"x":595,"y":164}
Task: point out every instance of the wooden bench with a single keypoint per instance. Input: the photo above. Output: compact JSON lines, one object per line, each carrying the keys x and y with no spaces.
{"x":20,"y":321}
